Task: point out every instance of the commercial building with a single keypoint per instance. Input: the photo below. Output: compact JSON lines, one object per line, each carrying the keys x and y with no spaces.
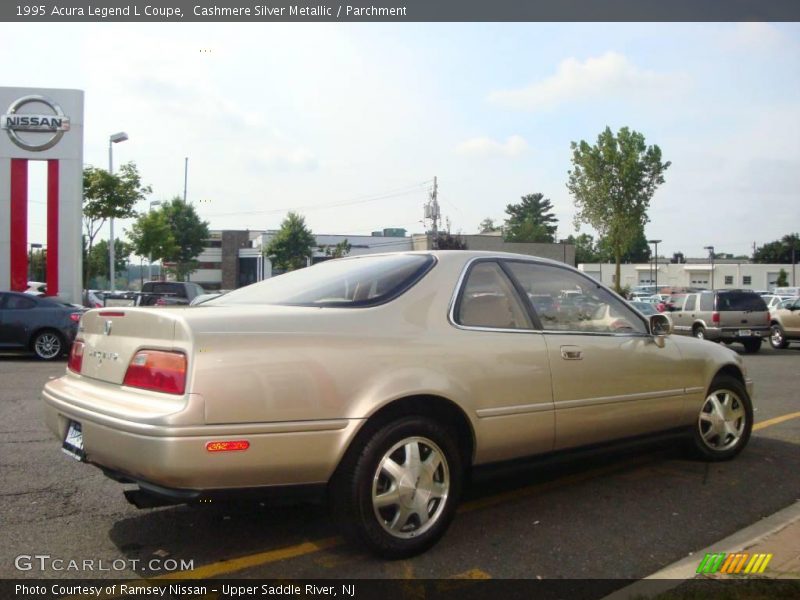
{"x":699,"y":273}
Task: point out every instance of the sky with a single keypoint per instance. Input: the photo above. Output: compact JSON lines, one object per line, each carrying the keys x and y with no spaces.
{"x":349,"y":123}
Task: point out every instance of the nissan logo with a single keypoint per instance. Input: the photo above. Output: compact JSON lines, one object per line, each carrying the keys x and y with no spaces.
{"x":53,"y":121}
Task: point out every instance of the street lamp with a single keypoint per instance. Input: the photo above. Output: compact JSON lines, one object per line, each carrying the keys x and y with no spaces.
{"x":150,"y":266}
{"x":113,"y":139}
{"x":711,"y":254}
{"x":655,"y":255}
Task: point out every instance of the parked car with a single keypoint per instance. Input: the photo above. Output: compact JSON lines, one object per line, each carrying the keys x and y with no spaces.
{"x":168,"y":293}
{"x":785,"y":324}
{"x":792,"y":290}
{"x":44,"y":326}
{"x":646,"y":308}
{"x":772,"y":301}
{"x":93,"y":299}
{"x":724,"y":316}
{"x":36,"y":288}
{"x":378,"y":382}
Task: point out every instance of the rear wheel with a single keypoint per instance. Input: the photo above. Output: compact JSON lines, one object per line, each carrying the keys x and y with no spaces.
{"x":699,"y":332}
{"x":725,"y":420}
{"x":777,"y":338}
{"x":752,"y":346}
{"x":397,"y":492}
{"x":48,"y":345}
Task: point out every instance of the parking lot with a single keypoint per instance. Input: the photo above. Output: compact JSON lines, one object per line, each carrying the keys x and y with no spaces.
{"x":623,"y":515}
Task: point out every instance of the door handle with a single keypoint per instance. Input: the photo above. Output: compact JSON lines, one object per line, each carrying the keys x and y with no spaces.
{"x":571,"y":353}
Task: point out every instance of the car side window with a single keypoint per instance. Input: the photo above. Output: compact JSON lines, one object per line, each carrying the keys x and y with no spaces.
{"x":691,"y":302}
{"x":566,"y":301}
{"x":19,"y":302}
{"x":488,"y":299}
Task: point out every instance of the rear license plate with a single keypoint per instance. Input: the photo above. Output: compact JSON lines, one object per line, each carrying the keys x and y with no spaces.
{"x":73,"y":441}
{"x":745,"y":333}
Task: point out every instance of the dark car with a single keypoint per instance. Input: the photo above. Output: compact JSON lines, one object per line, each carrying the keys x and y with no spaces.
{"x":44,"y":326}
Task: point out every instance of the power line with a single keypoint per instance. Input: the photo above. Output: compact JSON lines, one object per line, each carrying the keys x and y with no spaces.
{"x":403,"y":191}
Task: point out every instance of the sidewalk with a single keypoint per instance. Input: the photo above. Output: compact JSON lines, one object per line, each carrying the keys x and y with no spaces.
{"x":778,"y":534}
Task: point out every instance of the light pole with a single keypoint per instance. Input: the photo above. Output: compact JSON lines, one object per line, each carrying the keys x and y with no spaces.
{"x":150,"y":265}
{"x":711,"y":254}
{"x":655,"y":256}
{"x":113,"y":139}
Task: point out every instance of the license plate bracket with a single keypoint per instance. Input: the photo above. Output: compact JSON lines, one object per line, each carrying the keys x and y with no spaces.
{"x":72,"y":445}
{"x":745,"y":333}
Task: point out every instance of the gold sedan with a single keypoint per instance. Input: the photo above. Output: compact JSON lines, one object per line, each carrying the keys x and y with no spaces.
{"x":379,"y":381}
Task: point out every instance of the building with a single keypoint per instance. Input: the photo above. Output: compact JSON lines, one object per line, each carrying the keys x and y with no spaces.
{"x":722,"y":274}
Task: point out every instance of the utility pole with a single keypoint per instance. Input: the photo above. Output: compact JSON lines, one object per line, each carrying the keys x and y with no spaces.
{"x":711,"y":254}
{"x":185,"y":176}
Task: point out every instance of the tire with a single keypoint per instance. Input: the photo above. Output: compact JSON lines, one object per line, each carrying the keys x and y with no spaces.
{"x":777,"y":337}
{"x":699,"y":332}
{"x":382,"y":488}
{"x":724,"y":422}
{"x":48,"y":345}
{"x":752,"y":346}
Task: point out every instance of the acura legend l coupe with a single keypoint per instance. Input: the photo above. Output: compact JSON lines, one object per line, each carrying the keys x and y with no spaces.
{"x":379,"y":382}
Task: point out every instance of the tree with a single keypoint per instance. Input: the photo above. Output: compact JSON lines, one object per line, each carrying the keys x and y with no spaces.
{"x":487,"y":226}
{"x":678,"y":258}
{"x":107,"y":196}
{"x":446,"y":241}
{"x":292,"y":245}
{"x":612,"y":183}
{"x":585,"y":248}
{"x":173,"y":234}
{"x":779,"y":251}
{"x":531,"y":220}
{"x":638,"y":252}
{"x":783,"y":278}
{"x":97,"y":258}
{"x":338,"y":250}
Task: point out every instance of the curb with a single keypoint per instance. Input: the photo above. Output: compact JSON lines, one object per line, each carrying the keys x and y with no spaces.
{"x":675,"y":574}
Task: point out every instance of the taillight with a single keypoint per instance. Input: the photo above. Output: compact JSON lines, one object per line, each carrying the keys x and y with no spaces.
{"x":158,"y":371}
{"x":75,"y":361}
{"x":75,"y":316}
{"x":161,"y":302}
{"x":715,"y":317}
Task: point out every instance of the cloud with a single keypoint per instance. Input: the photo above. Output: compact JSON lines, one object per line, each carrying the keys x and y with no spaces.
{"x":611,"y":74}
{"x":486,"y":147}
{"x":754,"y":36}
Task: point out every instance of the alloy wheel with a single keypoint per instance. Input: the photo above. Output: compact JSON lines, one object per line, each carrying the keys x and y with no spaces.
{"x":722,"y":420}
{"x":47,"y":346}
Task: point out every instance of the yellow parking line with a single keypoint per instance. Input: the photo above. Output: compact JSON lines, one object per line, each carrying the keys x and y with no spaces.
{"x":471,"y":574}
{"x":253,"y":560}
{"x":262,"y":558}
{"x":775,"y":421}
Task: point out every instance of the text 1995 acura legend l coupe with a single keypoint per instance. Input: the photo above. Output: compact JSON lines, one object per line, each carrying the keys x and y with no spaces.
{"x":381,"y":380}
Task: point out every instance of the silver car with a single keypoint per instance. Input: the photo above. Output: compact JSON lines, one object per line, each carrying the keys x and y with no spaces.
{"x":378,"y":382}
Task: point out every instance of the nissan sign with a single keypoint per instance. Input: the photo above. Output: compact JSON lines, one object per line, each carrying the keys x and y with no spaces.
{"x":38,"y":123}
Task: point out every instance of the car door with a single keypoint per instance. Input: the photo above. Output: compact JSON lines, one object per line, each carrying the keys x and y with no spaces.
{"x":681,"y":322}
{"x":610,"y":378}
{"x":505,"y":370}
{"x":16,"y":319}
{"x":791,"y":319}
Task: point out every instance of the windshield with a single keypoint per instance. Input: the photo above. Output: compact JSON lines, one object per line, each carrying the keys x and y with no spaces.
{"x":350,"y":282}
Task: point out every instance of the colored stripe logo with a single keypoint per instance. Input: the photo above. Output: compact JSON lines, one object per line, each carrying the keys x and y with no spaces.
{"x":738,"y":562}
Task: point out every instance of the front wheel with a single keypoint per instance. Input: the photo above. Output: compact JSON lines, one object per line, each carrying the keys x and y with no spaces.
{"x":725,"y":420}
{"x":397,"y":492}
{"x":777,"y":338}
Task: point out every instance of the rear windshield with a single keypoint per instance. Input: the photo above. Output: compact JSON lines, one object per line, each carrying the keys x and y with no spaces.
{"x":740,"y":301}
{"x":349,"y":282}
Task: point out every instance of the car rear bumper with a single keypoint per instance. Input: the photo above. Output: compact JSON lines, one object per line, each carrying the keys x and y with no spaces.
{"x":175,"y":457}
{"x":736,"y":334}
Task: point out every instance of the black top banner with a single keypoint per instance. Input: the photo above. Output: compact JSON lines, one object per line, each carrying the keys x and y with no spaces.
{"x":398,"y":10}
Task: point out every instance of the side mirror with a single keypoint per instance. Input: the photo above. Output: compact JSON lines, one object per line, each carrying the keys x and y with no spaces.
{"x":660,"y":325}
